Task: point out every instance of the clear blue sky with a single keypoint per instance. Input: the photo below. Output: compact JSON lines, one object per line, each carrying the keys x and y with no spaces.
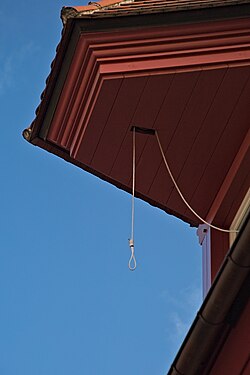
{"x":68,"y":303}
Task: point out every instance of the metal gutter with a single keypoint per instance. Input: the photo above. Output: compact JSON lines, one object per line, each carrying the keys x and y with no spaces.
{"x":225,"y":301}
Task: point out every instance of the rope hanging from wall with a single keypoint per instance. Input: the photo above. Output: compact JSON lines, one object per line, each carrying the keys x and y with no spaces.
{"x":181,"y":195}
{"x":132,"y":261}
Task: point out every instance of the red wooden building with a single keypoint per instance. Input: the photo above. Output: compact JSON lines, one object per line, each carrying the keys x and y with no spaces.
{"x":181,"y":68}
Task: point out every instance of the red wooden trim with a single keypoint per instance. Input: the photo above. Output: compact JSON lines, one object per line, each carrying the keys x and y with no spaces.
{"x":100,"y":56}
{"x":229,"y":178}
{"x":219,"y":246}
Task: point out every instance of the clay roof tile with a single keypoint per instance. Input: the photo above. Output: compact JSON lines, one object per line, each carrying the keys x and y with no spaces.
{"x":112,"y":8}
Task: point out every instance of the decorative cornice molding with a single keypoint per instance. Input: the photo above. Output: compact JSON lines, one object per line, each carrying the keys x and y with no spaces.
{"x":103,"y":56}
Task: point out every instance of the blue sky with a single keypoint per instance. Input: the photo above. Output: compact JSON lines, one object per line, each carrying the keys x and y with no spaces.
{"x":69,"y":304}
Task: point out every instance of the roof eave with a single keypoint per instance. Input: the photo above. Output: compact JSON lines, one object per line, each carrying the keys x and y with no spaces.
{"x":104,"y":8}
{"x":70,"y":15}
{"x":35,"y":133}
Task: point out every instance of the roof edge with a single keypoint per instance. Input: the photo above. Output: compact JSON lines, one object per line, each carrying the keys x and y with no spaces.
{"x":236,"y":266}
{"x":95,"y":7}
{"x":68,"y":12}
{"x":77,"y":11}
{"x":35,"y":140}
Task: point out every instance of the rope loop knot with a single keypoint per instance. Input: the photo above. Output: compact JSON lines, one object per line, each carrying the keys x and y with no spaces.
{"x":132,"y":260}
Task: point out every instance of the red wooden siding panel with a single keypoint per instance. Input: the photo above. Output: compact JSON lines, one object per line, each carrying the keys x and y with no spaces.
{"x":145,"y":115}
{"x":239,"y":142}
{"x":219,"y":242}
{"x":234,"y":196}
{"x":214,"y":170}
{"x":86,"y":146}
{"x":189,"y":157}
{"x":167,"y":123}
{"x":168,"y":116}
{"x":117,"y":124}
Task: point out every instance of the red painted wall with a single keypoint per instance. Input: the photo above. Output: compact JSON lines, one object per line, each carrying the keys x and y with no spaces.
{"x":219,"y":247}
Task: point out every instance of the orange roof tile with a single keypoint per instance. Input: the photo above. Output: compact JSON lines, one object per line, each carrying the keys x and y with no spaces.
{"x":112,"y":8}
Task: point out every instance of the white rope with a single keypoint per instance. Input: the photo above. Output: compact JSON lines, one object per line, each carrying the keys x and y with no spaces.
{"x":132,"y":260}
{"x":181,"y":195}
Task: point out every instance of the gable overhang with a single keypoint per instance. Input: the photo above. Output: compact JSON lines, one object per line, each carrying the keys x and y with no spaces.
{"x":185,"y":74}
